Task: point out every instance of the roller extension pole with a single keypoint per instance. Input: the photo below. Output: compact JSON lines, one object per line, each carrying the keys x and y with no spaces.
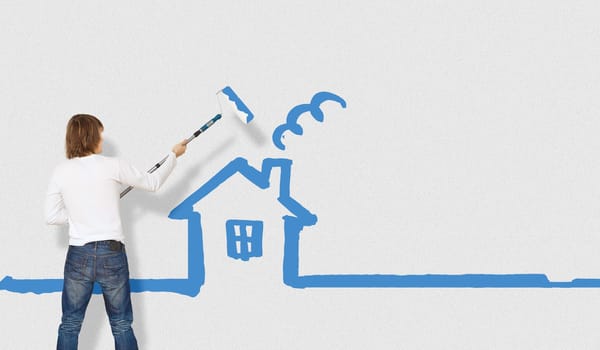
{"x":188,"y":140}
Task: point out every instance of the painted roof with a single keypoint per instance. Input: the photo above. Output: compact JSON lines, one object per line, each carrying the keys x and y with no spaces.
{"x":260,"y":178}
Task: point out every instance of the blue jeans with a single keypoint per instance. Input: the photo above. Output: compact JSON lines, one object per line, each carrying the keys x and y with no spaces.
{"x":105,"y":263}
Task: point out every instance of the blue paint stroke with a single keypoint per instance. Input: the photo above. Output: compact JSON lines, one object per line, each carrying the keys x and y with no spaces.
{"x":241,"y":106}
{"x":314,"y":107}
{"x":36,"y":286}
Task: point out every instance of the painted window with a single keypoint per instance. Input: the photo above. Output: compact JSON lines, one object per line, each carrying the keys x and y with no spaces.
{"x":244,"y":239}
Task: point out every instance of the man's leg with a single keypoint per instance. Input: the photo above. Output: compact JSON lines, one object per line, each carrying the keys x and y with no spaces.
{"x":77,"y":290}
{"x":113,"y":276}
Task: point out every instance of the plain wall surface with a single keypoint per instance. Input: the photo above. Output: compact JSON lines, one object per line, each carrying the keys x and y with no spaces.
{"x":469,"y":144}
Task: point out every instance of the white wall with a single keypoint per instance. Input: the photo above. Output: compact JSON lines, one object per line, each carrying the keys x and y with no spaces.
{"x":469,"y":145}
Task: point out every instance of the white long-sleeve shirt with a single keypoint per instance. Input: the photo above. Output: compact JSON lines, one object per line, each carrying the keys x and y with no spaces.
{"x":84,"y":193}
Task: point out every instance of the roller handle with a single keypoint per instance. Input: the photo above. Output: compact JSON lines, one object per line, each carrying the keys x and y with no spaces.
{"x":188,"y":140}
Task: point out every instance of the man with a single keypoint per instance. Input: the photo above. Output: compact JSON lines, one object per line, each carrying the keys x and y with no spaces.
{"x":84,"y":193}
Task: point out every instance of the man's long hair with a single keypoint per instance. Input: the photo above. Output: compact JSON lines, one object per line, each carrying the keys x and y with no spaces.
{"x":83,"y":135}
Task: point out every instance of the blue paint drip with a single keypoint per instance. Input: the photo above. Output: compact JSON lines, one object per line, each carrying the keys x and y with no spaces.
{"x":314,"y":107}
{"x":233,"y":97}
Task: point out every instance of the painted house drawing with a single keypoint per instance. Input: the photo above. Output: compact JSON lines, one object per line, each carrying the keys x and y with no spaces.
{"x":245,"y":236}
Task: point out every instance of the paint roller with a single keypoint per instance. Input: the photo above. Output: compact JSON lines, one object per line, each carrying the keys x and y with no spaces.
{"x":235,"y":106}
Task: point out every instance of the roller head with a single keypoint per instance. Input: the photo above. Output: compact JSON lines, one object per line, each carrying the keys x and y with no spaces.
{"x":230,"y":102}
